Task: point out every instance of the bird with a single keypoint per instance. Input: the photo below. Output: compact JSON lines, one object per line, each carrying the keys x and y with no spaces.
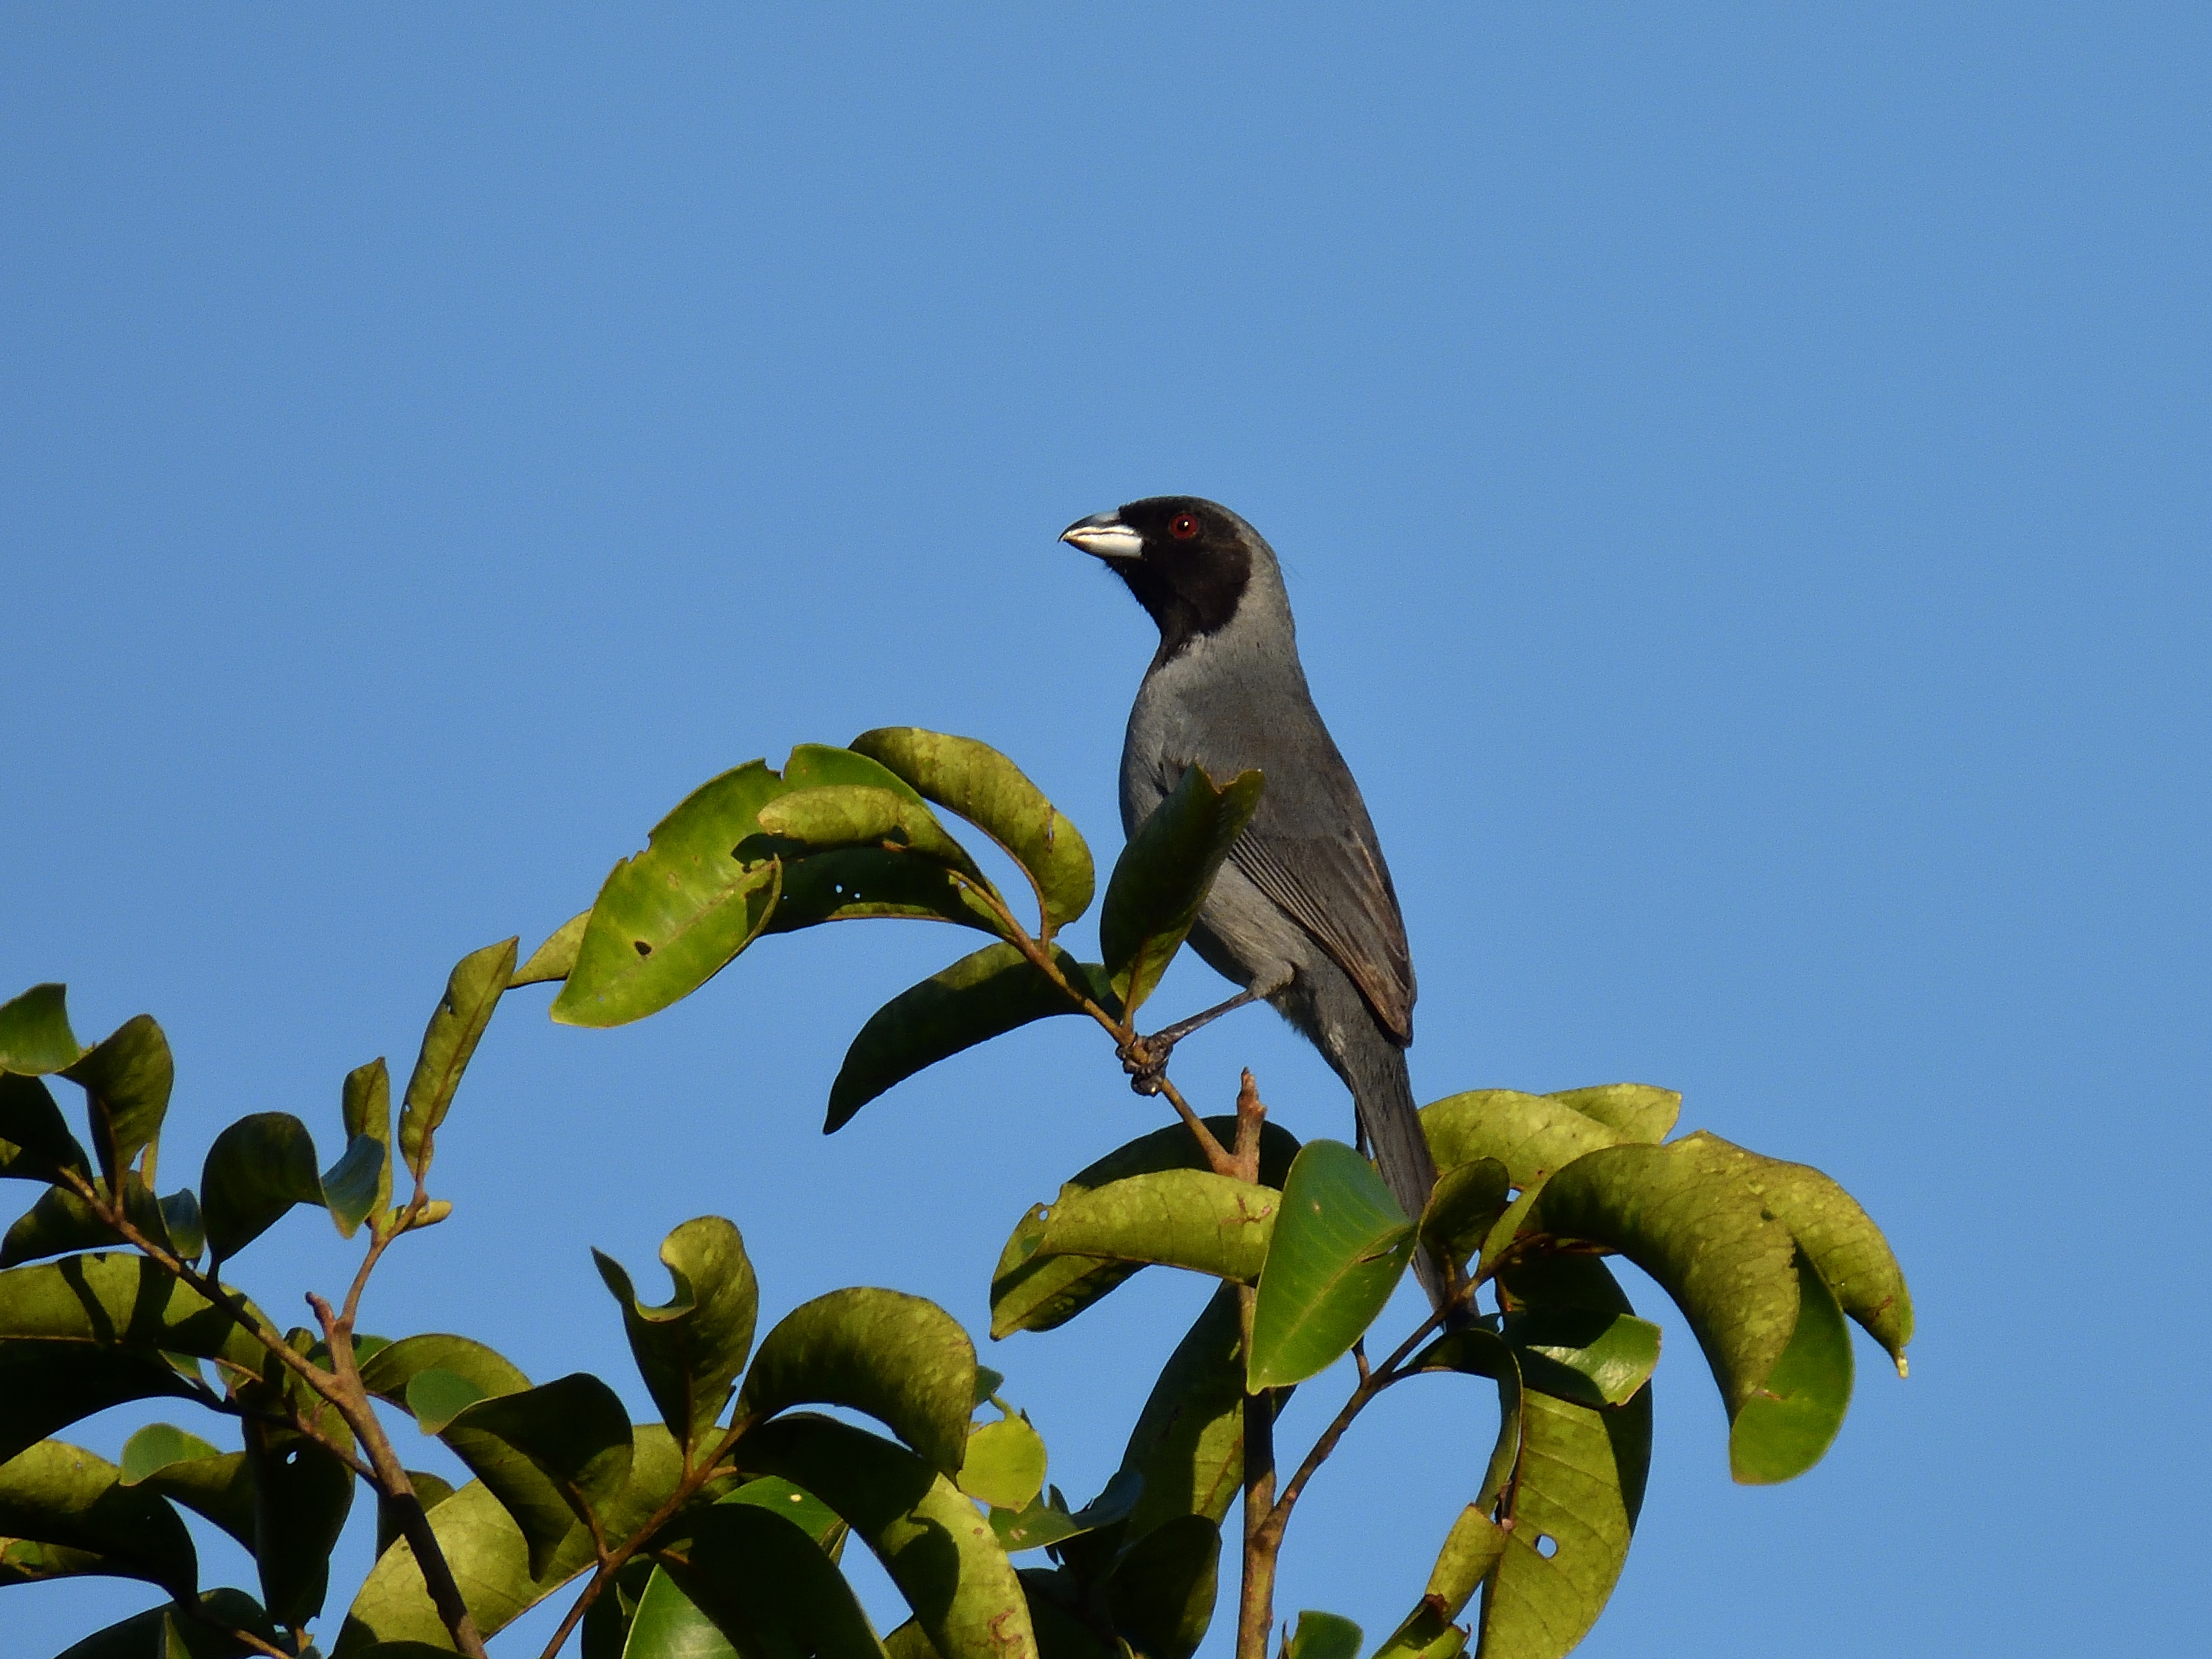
{"x":1302,"y":915}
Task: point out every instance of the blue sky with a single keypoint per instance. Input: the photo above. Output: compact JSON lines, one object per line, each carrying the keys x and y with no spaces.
{"x":1741,"y":475}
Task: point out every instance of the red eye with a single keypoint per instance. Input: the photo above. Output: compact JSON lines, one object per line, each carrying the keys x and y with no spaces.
{"x":1184,"y":526}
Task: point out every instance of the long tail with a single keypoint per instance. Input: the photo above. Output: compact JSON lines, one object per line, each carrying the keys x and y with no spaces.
{"x":1382,"y":1094}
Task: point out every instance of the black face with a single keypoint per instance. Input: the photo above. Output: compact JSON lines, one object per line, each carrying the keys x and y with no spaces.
{"x":1193,"y":567}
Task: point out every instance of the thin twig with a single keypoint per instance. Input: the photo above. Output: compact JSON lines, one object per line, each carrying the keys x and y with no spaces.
{"x":244,"y":1638}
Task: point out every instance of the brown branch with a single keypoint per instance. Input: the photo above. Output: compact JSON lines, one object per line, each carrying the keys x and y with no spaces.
{"x":1263,"y":1535}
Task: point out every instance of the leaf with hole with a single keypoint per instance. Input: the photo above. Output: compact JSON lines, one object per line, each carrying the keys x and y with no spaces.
{"x":1163,"y":874}
{"x":1337,"y":1252}
{"x":34,"y":1032}
{"x":302,"y":1494}
{"x":1033,"y":1293}
{"x":472,"y":992}
{"x":983,"y":995}
{"x":904,"y":1361}
{"x":690,"y":1349}
{"x":936,"y":1549}
{"x":988,"y":790}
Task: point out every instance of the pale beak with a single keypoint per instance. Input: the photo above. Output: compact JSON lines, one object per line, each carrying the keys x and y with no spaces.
{"x":1104,"y":536}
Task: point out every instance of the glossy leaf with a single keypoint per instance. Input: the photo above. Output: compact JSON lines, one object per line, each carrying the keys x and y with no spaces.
{"x":472,"y":992}
{"x":1005,"y":1464}
{"x":35,"y":1143}
{"x":1033,"y":1293}
{"x":55,"y":1493}
{"x":1189,"y":1218}
{"x":690,"y":1349}
{"x":1789,"y":1424}
{"x":904,"y":1361}
{"x":491,"y":1561}
{"x":1338,"y":1253}
{"x":763,"y":1580}
{"x":257,"y":1169}
{"x":213,"y":1484}
{"x":365,"y":1107}
{"x":667,"y":920}
{"x":126,"y":1078}
{"x":983,"y":995}
{"x":34,"y":1032}
{"x":1323,"y":1636}
{"x":939,"y":1551}
{"x":557,"y":956}
{"x":302,"y":1494}
{"x":576,"y":1436}
{"x":988,"y":790}
{"x":1163,"y":1589}
{"x":1464,"y":1205}
{"x":46,"y":1386}
{"x":1164,"y":875}
{"x":122,"y":1299}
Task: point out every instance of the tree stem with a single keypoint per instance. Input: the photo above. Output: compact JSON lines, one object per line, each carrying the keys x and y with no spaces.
{"x":1263,"y":1534}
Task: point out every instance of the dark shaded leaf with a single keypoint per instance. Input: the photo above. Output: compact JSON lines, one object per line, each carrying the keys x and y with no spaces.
{"x":301,"y":1496}
{"x":557,"y":956}
{"x":126,"y":1078}
{"x":1033,"y":1293}
{"x":365,"y":1104}
{"x":1187,"y":1446}
{"x":167,"y":1633}
{"x":606,"y":1624}
{"x":35,"y":1144}
{"x":904,"y":1361}
{"x":1463,"y":1207}
{"x":576,"y":1437}
{"x":1163,"y":1589}
{"x":387,"y":1372}
{"x":358,"y":1185}
{"x":257,"y":1169}
{"x":691,"y":1349}
{"x":430,"y":1491}
{"x":472,"y":992}
{"x":181,"y":1222}
{"x":763,"y":1580}
{"x":61,"y":1222}
{"x":34,"y":1032}
{"x":983,"y":995}
{"x":123,"y":1298}
{"x":939,"y":1551}
{"x":1337,"y":1252}
{"x":1045,"y":1520}
{"x":985,"y":788}
{"x":46,"y":1386}
{"x":55,"y":1494}
{"x":1162,"y":877}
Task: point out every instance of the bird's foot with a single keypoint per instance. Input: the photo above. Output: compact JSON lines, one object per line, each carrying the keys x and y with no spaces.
{"x":1145,"y":1059}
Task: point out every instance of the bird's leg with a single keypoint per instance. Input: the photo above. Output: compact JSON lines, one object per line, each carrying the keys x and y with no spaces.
{"x":1144,"y":1057}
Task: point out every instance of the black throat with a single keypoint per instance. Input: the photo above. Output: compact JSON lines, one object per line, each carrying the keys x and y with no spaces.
{"x":1191,"y":593}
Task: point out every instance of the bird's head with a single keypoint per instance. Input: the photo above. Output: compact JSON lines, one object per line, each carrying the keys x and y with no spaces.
{"x":1188,"y":560}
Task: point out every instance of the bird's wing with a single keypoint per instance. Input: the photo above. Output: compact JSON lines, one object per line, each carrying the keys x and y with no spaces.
{"x":1337,"y":887}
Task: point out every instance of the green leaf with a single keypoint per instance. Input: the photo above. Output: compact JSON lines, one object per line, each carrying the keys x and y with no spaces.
{"x":126,"y":1078}
{"x":1566,"y":1500}
{"x":1191,"y":1219}
{"x":606,"y":1624}
{"x":763,"y":1580}
{"x":166,"y":1633}
{"x":35,"y":1144}
{"x":391,"y":1370}
{"x":216,"y":1485}
{"x":1187,"y":1445}
{"x":1853,"y":1258}
{"x":983,"y":995}
{"x":34,"y":1032}
{"x":1324,"y":1636}
{"x":123,"y":1298}
{"x":936,"y":1549}
{"x":472,"y":992}
{"x":1633,"y":1111}
{"x":691,"y":1349}
{"x":1005,"y":1465}
{"x":1338,"y":1253}
{"x":668,"y":1623}
{"x":46,"y":1386}
{"x":1163,"y":1589}
{"x":302,"y":1494}
{"x":257,"y":1169}
{"x":59,"y":1494}
{"x":1463,"y":1207}
{"x":988,"y":1382}
{"x":61,"y":1222}
{"x":1033,"y":1293}
{"x":430,"y":1491}
{"x":904,"y":1361}
{"x":796,"y":1505}
{"x":181,"y":1221}
{"x":1576,"y":1334}
{"x":1790,"y":1423}
{"x":1687,"y":1215}
{"x":1163,"y":874}
{"x":1532,"y":1135}
{"x":1045,"y":1520}
{"x":985,"y":788}
{"x":669,"y":918}
{"x":1471,"y":1550}
{"x":557,"y":957}
{"x":358,"y":1185}
{"x":365,"y":1105}
{"x":435,"y":1398}
{"x":836,"y":816}
{"x":491,"y":1561}
{"x":576,"y":1436}
{"x":1563,"y":1286}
